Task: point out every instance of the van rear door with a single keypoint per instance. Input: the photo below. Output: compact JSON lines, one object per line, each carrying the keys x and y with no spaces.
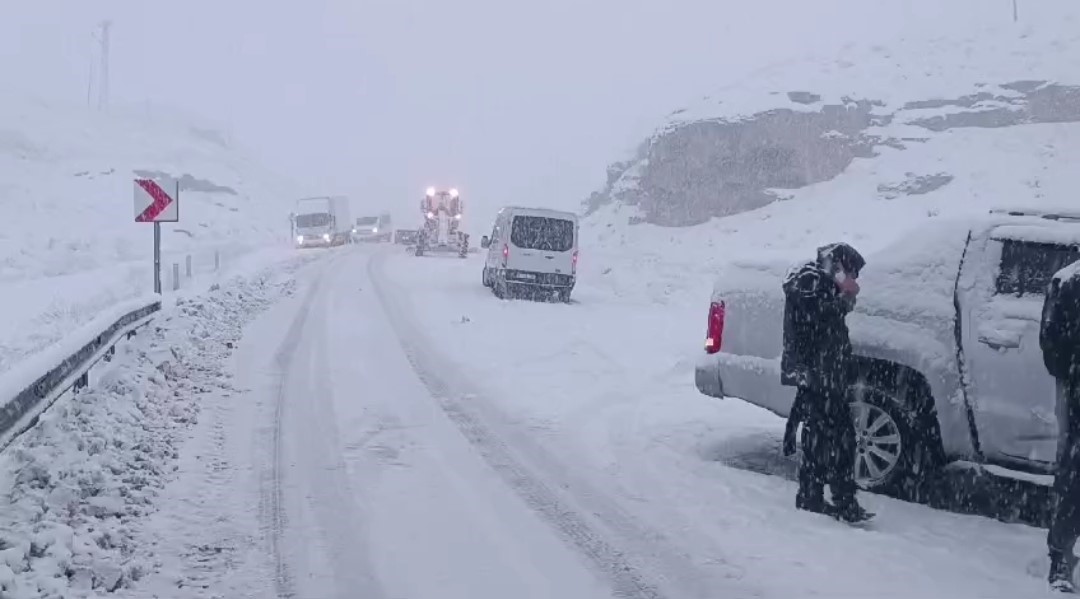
{"x":542,"y":244}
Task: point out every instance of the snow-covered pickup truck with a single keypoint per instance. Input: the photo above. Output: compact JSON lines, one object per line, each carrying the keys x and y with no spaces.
{"x":946,"y":333}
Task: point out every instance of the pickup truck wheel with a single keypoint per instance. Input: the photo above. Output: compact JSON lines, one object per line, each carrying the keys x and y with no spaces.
{"x":887,"y":446}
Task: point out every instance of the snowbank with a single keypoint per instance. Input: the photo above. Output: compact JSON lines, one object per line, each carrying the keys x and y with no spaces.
{"x":70,"y":248}
{"x":80,"y":481}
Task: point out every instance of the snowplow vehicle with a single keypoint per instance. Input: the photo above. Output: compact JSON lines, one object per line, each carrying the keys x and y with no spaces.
{"x":441,"y":232}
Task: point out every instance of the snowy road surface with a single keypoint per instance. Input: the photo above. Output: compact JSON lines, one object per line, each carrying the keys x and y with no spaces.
{"x":396,"y":432}
{"x":377,"y":474}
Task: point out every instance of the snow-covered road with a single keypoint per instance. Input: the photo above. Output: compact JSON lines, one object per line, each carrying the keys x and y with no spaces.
{"x":373,"y":491}
{"x":396,"y":432}
{"x":378,"y":472}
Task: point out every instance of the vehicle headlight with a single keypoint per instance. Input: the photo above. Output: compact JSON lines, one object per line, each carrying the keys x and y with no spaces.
{"x":354,"y":231}
{"x":299,"y":239}
{"x":430,"y":191}
{"x":431,"y":215}
{"x":326,"y":237}
{"x":454,"y":193}
{"x":457,"y":216}
{"x":374,"y":229}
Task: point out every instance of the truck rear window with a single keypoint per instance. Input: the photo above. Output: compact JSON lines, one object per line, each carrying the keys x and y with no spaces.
{"x":1027,"y":267}
{"x":542,"y":233}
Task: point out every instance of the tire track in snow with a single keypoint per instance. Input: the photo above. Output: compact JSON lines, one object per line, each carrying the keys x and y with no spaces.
{"x":273,"y":496}
{"x":551,"y":493}
{"x":318,"y":466}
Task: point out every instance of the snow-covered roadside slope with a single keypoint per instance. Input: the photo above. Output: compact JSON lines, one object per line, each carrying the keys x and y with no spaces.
{"x":82,"y":481}
{"x":985,"y":115}
{"x":70,"y":248}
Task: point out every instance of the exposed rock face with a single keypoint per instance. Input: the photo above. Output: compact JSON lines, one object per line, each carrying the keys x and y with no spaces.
{"x":691,"y":172}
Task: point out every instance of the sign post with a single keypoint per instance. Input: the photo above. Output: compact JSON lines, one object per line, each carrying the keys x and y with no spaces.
{"x":154,"y":205}
{"x":157,"y":258}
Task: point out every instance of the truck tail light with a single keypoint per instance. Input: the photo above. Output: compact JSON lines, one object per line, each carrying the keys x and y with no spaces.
{"x":574,"y":263}
{"x":715,"y":336}
{"x":506,"y":253}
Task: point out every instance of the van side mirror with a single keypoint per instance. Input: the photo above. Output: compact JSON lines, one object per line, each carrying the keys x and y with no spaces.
{"x":485,"y":242}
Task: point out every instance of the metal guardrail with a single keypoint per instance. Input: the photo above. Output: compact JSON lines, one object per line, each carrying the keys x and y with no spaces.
{"x":72,"y":372}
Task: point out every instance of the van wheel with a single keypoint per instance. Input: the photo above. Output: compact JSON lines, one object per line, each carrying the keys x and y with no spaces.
{"x":891,"y":455}
{"x":564,"y":296}
{"x":486,"y":278}
{"x":500,"y":288}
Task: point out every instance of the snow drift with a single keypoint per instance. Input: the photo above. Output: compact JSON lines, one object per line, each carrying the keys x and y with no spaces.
{"x":80,"y":483}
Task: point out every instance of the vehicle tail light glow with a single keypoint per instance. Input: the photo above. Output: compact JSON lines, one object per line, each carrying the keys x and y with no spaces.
{"x":715,"y":336}
{"x":574,"y":263}
{"x":506,"y":253}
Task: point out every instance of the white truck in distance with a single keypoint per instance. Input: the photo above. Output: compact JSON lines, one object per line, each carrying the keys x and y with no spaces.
{"x":946,"y":333}
{"x":373,"y":228}
{"x":322,"y":222}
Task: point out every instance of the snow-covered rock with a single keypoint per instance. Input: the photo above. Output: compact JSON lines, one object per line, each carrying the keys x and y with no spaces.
{"x":771,"y":137}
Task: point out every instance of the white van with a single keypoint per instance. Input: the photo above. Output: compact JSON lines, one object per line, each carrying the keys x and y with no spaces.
{"x":532,"y":249}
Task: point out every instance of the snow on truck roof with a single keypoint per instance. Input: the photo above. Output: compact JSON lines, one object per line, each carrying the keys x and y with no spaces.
{"x":914,"y":275}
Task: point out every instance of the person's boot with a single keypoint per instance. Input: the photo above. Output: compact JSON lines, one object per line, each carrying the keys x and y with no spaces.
{"x":849,"y":510}
{"x":811,"y":500}
{"x":1061,"y":572}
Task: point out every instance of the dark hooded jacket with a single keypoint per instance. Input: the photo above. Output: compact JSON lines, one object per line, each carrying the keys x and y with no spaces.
{"x":1059,"y":333}
{"x":817,"y":349}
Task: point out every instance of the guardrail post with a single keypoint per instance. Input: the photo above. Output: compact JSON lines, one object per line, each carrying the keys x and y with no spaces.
{"x":187,"y":265}
{"x":83,"y":381}
{"x":112,"y":352}
{"x":176,"y":276}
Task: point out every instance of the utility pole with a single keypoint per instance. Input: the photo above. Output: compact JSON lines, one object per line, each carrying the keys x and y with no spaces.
{"x":103,"y":88}
{"x":1016,"y":11}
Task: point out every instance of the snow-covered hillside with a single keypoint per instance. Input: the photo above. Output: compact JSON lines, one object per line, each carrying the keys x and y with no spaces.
{"x":70,"y":247}
{"x":916,"y":125}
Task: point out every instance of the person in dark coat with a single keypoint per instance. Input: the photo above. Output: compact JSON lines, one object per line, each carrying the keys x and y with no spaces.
{"x":817,"y":359}
{"x":1059,"y":338}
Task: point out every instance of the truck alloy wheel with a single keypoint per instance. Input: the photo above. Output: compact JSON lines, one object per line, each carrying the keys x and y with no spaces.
{"x":879,"y":445}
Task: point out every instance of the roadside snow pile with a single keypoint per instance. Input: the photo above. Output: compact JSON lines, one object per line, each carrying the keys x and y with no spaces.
{"x":896,"y":122}
{"x":70,"y":247}
{"x":81,"y":480}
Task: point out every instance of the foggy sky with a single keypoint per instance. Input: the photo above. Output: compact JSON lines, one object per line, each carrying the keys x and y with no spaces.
{"x":514,"y":102}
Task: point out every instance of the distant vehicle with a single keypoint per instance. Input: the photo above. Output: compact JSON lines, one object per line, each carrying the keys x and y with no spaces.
{"x":373,"y":228}
{"x":406,"y":236}
{"x":441,"y":231}
{"x":322,"y":222}
{"x":946,"y":335}
{"x":532,"y":250}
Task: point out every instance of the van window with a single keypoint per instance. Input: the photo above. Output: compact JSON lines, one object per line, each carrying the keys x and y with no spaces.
{"x":542,"y":233}
{"x":1027,"y":267}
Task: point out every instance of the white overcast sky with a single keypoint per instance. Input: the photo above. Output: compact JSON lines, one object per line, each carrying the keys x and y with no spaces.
{"x":513,"y":101}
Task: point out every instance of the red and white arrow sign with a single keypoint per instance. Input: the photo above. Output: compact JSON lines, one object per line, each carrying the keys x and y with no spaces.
{"x":153,"y":204}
